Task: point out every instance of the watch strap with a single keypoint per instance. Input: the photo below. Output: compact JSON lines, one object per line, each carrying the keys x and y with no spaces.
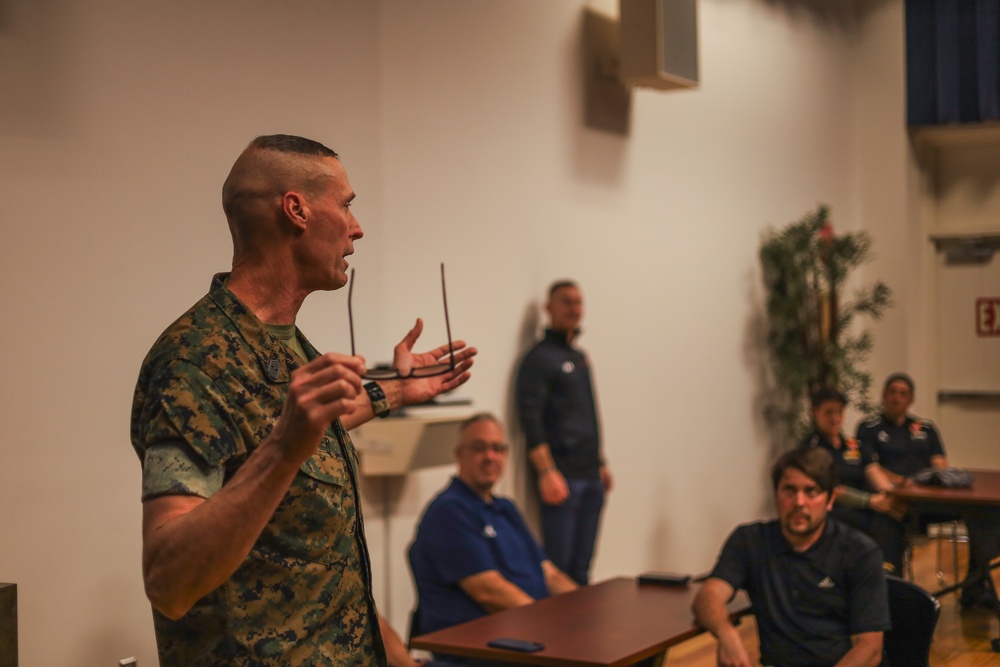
{"x":380,"y":404}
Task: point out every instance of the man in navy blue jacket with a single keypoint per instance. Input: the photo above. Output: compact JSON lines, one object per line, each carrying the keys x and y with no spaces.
{"x":558,"y":411}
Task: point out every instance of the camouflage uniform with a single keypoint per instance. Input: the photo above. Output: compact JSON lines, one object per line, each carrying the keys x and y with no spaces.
{"x":210,"y":390}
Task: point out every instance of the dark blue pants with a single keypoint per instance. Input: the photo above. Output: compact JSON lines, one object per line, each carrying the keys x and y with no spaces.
{"x":983,"y":524}
{"x":570,"y":530}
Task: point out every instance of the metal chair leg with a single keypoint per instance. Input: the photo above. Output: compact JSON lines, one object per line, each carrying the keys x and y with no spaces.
{"x":954,"y":539}
{"x":954,"y":548}
{"x":940,"y":559}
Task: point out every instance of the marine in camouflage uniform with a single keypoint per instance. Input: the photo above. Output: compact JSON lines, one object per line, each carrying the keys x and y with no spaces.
{"x":210,"y":390}
{"x":253,"y":543}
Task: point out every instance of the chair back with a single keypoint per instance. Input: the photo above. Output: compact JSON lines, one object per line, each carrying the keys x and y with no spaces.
{"x":914,"y":613}
{"x":414,"y":628}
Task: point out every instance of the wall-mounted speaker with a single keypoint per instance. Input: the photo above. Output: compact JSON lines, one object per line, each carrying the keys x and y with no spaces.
{"x":658,"y":43}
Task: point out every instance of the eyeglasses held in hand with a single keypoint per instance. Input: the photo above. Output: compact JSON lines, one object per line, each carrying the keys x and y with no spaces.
{"x":420,"y":372}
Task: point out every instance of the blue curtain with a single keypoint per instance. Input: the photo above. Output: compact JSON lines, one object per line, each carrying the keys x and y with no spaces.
{"x":952,"y":61}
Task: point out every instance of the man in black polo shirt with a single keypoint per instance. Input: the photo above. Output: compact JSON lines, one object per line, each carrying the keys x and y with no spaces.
{"x":816,"y":585}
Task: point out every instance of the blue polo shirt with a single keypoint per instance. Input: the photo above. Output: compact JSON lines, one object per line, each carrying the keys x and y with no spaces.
{"x":461,"y":535}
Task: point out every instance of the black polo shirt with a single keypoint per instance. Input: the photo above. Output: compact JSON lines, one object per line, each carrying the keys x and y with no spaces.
{"x":807,"y":605}
{"x":850,"y":459}
{"x":905,"y":449}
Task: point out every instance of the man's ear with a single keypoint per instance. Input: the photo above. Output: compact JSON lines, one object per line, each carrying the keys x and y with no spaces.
{"x":833,"y":498}
{"x":296,"y":209}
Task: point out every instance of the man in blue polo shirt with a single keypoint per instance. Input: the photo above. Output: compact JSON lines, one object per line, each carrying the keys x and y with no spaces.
{"x":816,"y":585}
{"x":473,"y":554}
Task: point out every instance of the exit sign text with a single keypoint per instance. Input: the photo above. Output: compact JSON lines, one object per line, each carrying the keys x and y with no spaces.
{"x":988,"y":316}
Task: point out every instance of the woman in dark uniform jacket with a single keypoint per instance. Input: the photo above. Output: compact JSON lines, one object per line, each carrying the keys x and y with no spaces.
{"x":862,"y":500}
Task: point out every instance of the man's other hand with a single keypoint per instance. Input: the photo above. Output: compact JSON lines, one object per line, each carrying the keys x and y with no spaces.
{"x":607,"y":481}
{"x":732,"y":653}
{"x":419,"y":390}
{"x":552,"y":487}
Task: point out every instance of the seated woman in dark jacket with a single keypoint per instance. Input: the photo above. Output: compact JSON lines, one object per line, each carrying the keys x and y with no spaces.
{"x":862,"y":500}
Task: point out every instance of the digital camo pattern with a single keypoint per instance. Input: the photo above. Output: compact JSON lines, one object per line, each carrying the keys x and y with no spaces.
{"x":214,"y":383}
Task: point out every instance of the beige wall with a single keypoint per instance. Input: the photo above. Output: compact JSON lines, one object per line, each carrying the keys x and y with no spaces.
{"x":461,"y":127}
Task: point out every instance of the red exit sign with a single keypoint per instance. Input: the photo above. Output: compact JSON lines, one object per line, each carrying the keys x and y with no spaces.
{"x":988,"y":316}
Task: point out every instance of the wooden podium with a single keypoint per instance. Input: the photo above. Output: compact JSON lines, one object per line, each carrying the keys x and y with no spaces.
{"x":422,"y":438}
{"x":8,"y":625}
{"x":392,"y":448}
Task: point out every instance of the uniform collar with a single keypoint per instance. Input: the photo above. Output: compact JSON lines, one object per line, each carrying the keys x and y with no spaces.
{"x":561,"y":336}
{"x":907,"y":420}
{"x":821,"y":439}
{"x":275,"y":359}
{"x":467,"y":491}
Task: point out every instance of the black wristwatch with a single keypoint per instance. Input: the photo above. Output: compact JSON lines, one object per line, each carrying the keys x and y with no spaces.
{"x":380,"y":404}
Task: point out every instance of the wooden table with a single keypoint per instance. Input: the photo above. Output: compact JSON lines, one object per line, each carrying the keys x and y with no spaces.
{"x":985,"y":490}
{"x":613,"y":623}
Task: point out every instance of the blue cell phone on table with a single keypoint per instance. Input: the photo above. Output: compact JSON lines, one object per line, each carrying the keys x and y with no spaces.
{"x":515,"y":645}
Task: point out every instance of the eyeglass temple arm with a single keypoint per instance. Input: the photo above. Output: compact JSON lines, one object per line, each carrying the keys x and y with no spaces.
{"x":444,"y":299}
{"x":350,"y":313}
{"x":447,"y":323}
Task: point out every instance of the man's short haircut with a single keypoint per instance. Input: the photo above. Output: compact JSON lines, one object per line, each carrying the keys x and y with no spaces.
{"x":898,"y":377}
{"x":814,"y":462}
{"x":289,"y":143}
{"x":475,"y":419}
{"x":824,"y":394}
{"x":268,"y":166}
{"x":558,"y":285}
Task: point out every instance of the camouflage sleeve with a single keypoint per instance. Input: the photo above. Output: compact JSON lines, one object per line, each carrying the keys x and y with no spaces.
{"x":171,"y":469}
{"x":186,"y":406}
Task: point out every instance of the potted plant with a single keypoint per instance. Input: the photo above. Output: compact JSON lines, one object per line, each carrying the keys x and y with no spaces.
{"x":810,"y":335}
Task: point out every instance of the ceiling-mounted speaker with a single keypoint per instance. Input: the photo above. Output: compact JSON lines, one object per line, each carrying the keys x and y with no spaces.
{"x":658,"y":43}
